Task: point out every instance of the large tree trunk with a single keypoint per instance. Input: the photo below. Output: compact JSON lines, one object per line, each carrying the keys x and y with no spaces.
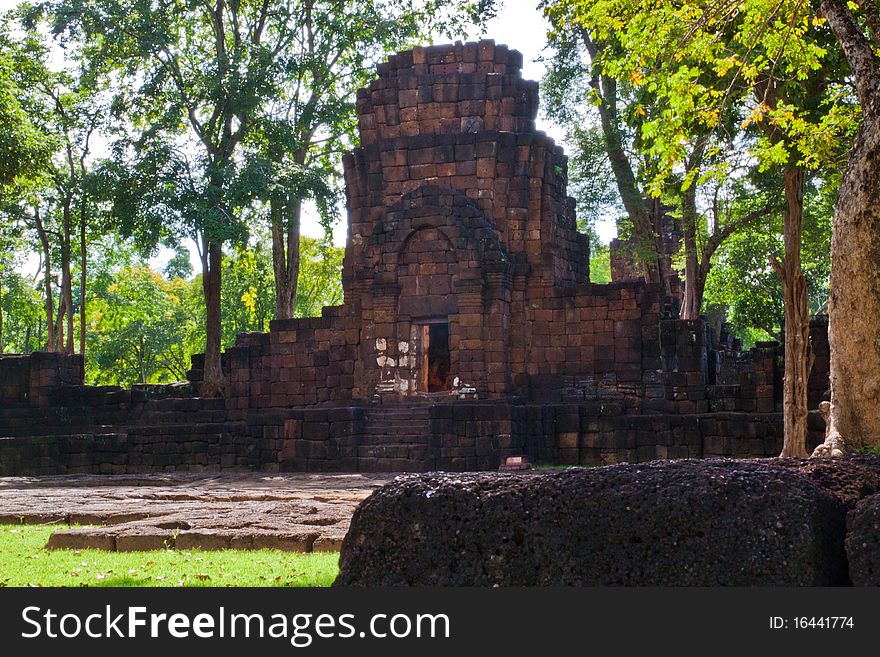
{"x":214,"y":383}
{"x":50,"y":313}
{"x":285,"y":253}
{"x":854,"y":297}
{"x":798,"y":358}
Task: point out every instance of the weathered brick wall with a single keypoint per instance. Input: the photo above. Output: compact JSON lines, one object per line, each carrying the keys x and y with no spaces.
{"x":602,"y":433}
{"x":300,"y":362}
{"x":609,"y":332}
{"x":125,"y":432}
{"x":15,"y":379}
{"x":819,"y":381}
{"x":32,"y":379}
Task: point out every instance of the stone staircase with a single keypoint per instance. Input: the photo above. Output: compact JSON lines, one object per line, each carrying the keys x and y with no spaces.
{"x":398,"y":438}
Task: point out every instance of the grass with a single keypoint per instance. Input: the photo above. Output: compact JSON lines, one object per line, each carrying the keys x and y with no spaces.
{"x":25,"y":562}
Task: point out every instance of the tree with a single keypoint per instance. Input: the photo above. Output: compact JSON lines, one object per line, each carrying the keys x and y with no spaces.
{"x":25,"y":151}
{"x":300,"y":134}
{"x":320,"y":276}
{"x":138,"y":326}
{"x":854,"y":302}
{"x":197,"y":81}
{"x":63,"y":107}
{"x":619,"y":154}
{"x":742,"y":284}
{"x":179,"y":266}
{"x":701,"y":60}
{"x":576,"y":75}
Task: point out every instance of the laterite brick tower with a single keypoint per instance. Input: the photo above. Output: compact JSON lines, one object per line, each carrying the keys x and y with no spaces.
{"x":459,"y":220}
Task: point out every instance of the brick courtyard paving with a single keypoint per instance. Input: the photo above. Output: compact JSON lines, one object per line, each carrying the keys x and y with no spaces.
{"x":211,"y":511}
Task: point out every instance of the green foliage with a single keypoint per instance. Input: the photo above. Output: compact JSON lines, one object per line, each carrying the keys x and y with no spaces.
{"x":320,"y":277}
{"x":565,"y":96}
{"x":179,"y":266}
{"x":701,"y":61}
{"x":22,"y":313}
{"x":743,"y":282}
{"x":144,"y":327}
{"x":25,"y":562}
{"x":24,"y":149}
{"x":140,"y":329}
{"x":249,"y":291}
{"x":600,"y":260}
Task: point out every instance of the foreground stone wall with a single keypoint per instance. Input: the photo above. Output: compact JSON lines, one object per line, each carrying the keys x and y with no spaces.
{"x":682,"y":523}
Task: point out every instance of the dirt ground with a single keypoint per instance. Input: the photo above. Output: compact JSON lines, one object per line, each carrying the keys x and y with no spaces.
{"x":210,"y":511}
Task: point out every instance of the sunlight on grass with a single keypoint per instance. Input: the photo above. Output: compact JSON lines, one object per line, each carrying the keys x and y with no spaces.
{"x":25,"y":562}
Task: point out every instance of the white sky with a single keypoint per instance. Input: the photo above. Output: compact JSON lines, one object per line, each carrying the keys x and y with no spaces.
{"x":520,"y":25}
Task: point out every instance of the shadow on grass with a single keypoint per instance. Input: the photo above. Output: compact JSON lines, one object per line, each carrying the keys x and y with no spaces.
{"x":125,"y":582}
{"x":120,"y":582}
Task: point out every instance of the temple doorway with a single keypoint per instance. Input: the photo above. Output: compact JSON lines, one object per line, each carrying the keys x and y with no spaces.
{"x":436,"y":361}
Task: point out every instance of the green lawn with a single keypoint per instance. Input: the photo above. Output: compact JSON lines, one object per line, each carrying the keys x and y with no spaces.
{"x":24,"y":562}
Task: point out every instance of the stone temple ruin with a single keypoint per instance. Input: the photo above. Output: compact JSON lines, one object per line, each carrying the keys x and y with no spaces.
{"x":470,"y":330}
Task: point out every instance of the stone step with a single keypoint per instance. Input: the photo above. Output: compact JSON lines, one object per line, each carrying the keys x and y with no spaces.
{"x":416,"y":439}
{"x":396,"y":451}
{"x":399,"y":431}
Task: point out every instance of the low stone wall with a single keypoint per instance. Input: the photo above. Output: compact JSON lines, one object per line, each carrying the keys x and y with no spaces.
{"x":129,"y":431}
{"x":118,"y":434}
{"x":713,"y":522}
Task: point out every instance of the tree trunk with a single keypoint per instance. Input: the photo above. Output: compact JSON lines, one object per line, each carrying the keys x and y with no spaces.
{"x":693,"y":289}
{"x":285,"y":253}
{"x":50,"y":313}
{"x":854,"y":296}
{"x":67,"y":288}
{"x":59,"y":323}
{"x":798,"y":358}
{"x":1,"y":317}
{"x":694,"y":277}
{"x":214,"y":383}
{"x":82,"y":278}
{"x":646,"y":239}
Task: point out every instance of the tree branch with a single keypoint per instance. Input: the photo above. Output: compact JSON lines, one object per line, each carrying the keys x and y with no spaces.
{"x":857,"y":50}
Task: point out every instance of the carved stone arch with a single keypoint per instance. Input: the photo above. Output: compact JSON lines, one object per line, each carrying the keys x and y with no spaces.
{"x":450,"y":212}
